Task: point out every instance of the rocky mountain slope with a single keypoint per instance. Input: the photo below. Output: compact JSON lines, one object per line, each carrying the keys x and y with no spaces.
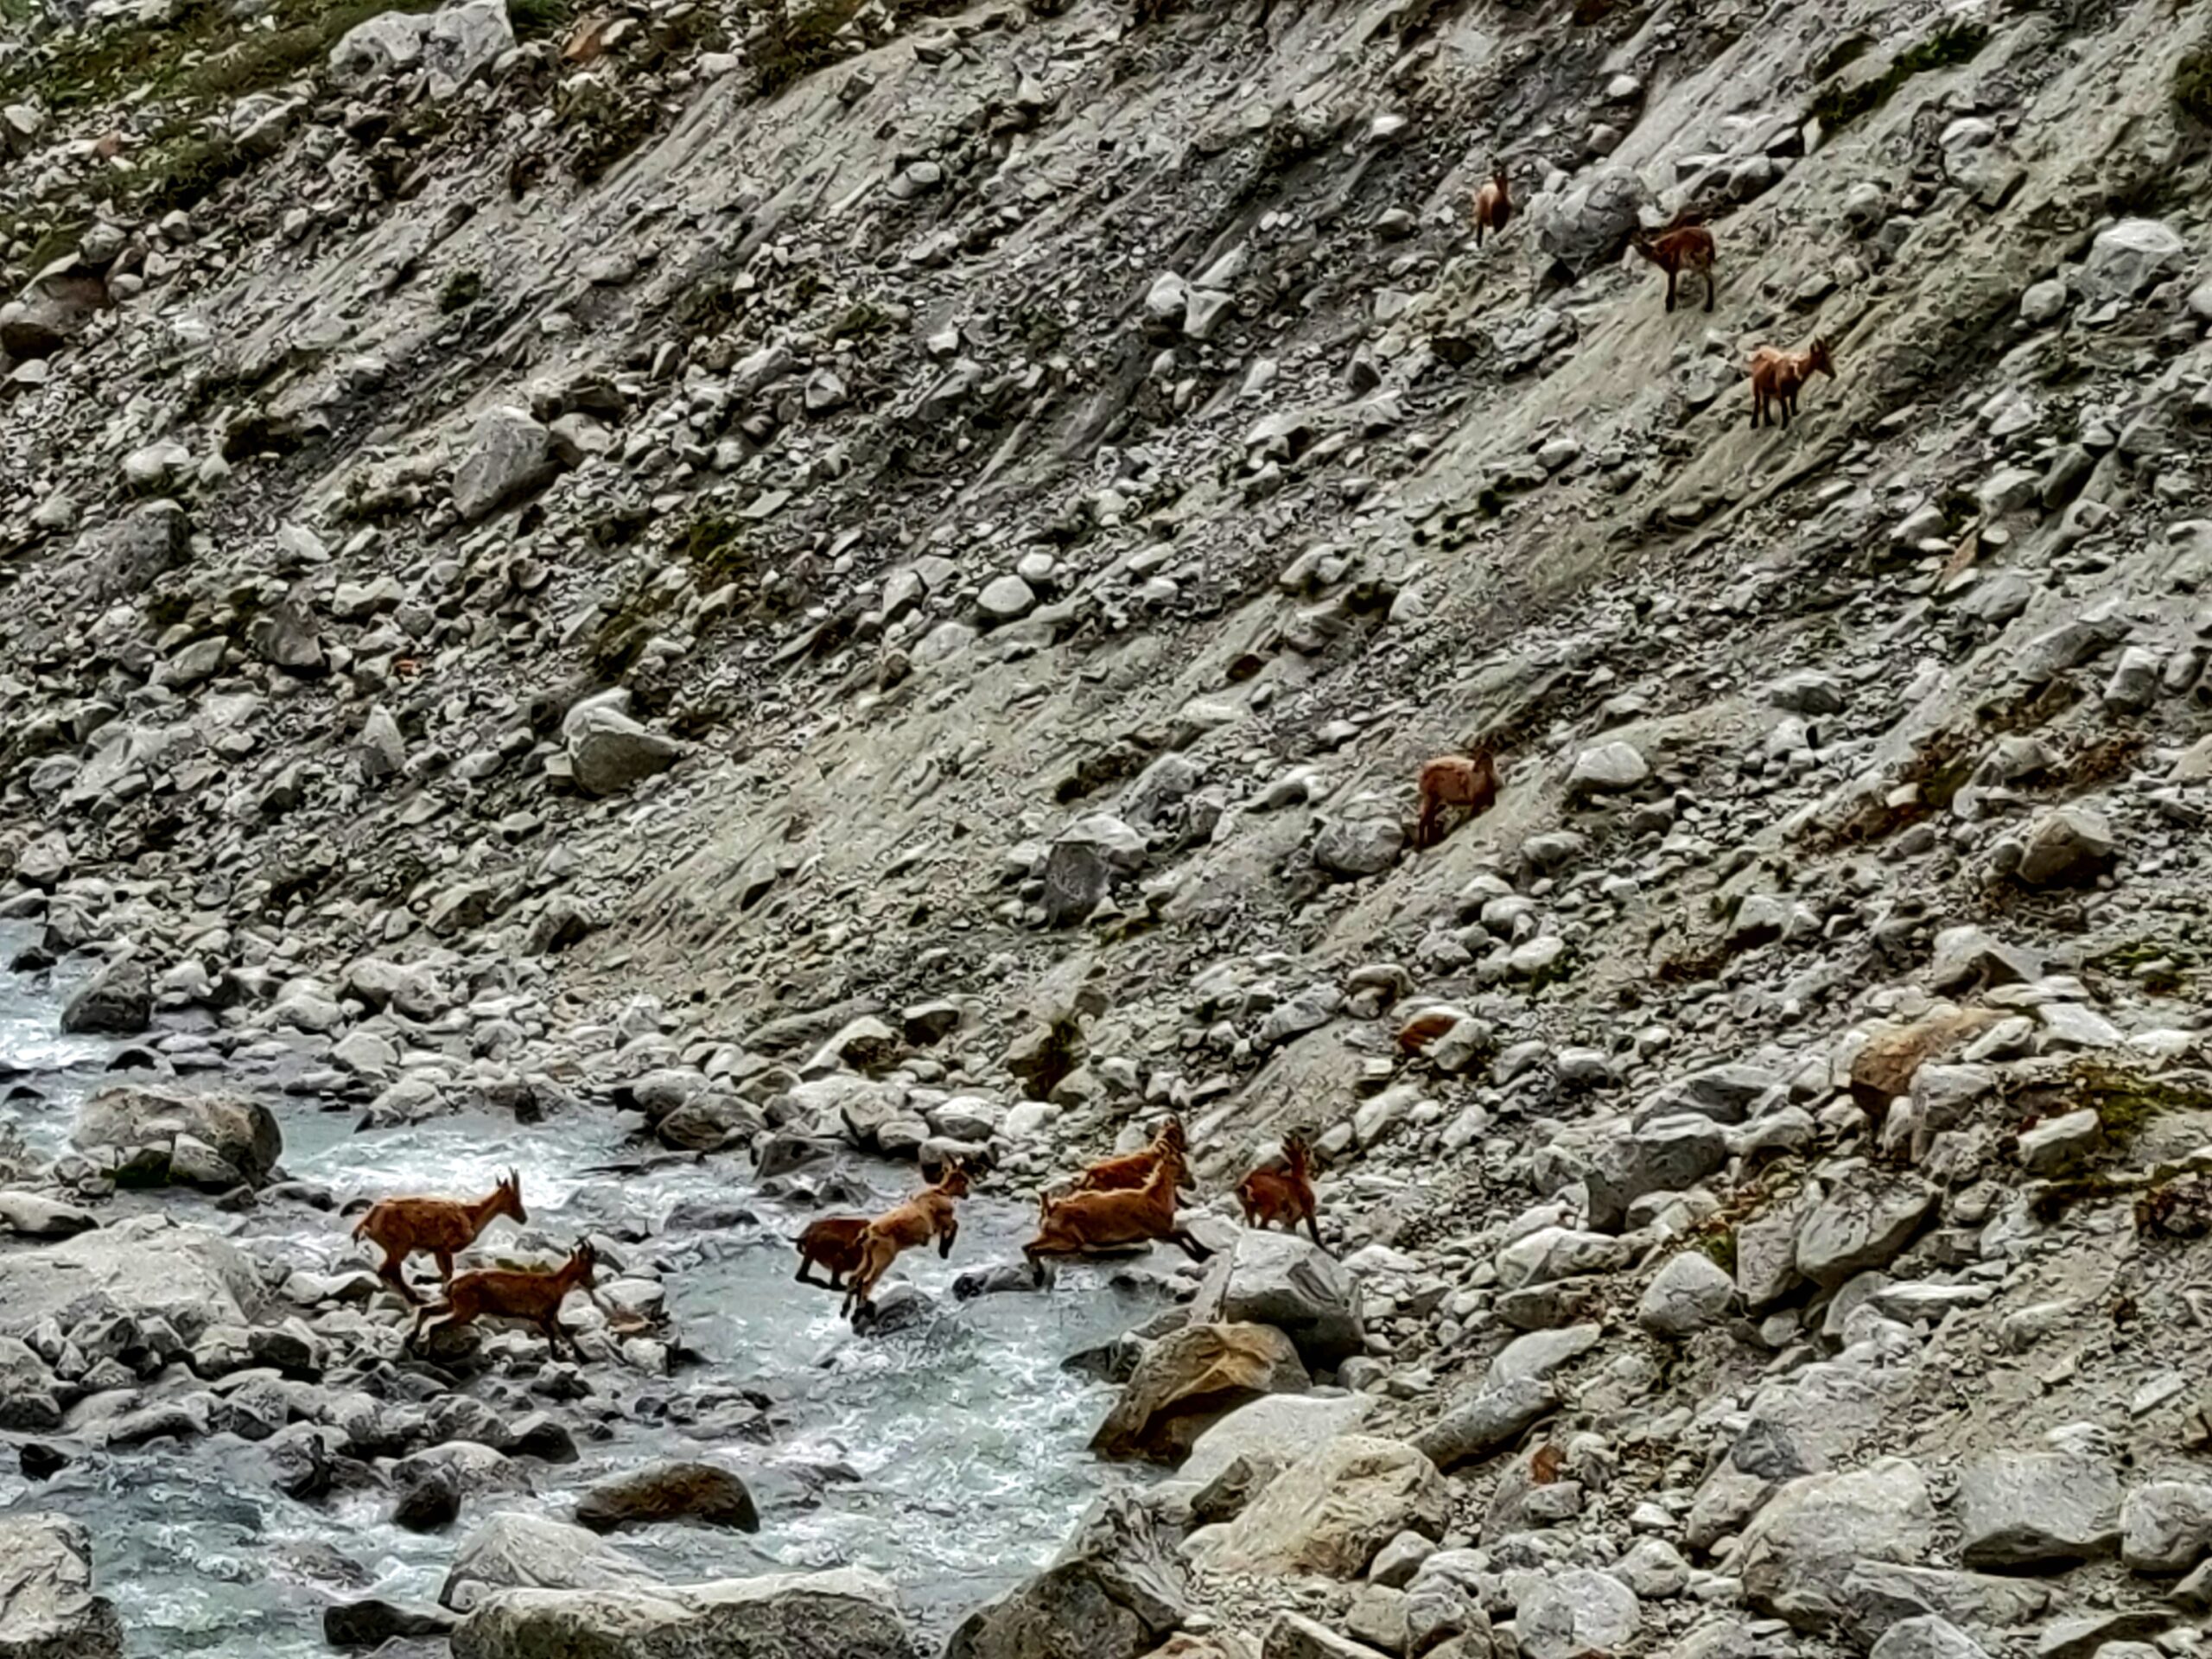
{"x":883,"y":575}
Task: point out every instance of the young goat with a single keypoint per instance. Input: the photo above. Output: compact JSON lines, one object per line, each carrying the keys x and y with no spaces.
{"x":1493,"y":203}
{"x":1131,"y":1170}
{"x":1778,"y":376}
{"x":1675,"y":249}
{"x":1083,"y":1222}
{"x":400,"y":1227}
{"x":928,"y":1214}
{"x":531,"y":1293}
{"x":1282,"y":1192}
{"x":1468,"y":780}
{"x":833,"y":1243}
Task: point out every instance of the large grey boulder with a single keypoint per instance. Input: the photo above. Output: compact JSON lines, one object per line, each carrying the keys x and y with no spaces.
{"x":2130,"y":257}
{"x":2166,"y":1526}
{"x":383,"y":46}
{"x":117,"y":1000}
{"x":509,"y":453}
{"x":1491,"y":1421}
{"x":1331,"y":1512}
{"x":847,"y":1614}
{"x":47,"y":1610}
{"x":1929,"y":1637}
{"x":1188,"y":1380}
{"x":1576,"y":1612}
{"x":146,"y":1265}
{"x":1358,"y":846}
{"x":1690,"y":1291}
{"x":146,"y":1126}
{"x":464,"y":41}
{"x":1799,"y":1551}
{"x":1668,"y":1154}
{"x":1113,"y":1591}
{"x":530,"y":1551}
{"x":1269,"y":1434}
{"x":2066,"y":847}
{"x":1863,"y":1221}
{"x":609,"y":753}
{"x":50,"y":312}
{"x":1577,"y":231}
{"x":1279,"y":1278}
{"x":2025,"y":1509}
{"x":122,"y":558}
{"x":1083,"y":863}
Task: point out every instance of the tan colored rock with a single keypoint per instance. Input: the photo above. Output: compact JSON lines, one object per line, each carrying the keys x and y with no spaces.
{"x":1190,"y":1380}
{"x":1329,"y":1512}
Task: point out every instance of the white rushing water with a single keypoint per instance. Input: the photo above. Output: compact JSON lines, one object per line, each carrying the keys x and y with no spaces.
{"x":950,"y":1456}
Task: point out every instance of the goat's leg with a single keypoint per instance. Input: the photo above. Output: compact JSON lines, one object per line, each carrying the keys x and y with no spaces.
{"x":393,"y":1272}
{"x":557,"y":1333}
{"x":944,"y":1239}
{"x":445,"y":1266}
{"x":1708,"y":288}
{"x":1671,"y":274}
{"x":1314,"y":1226}
{"x":1191,"y":1248}
{"x":1038,"y":1270}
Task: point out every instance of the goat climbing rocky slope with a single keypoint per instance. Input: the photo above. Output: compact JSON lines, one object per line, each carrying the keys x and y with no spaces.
{"x":885,"y":574}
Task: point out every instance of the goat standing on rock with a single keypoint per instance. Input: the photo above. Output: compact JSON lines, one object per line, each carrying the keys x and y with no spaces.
{"x":928,"y":1214}
{"x":1778,"y":376}
{"x":1283,"y":1191}
{"x":1468,"y":780}
{"x":1493,"y":203}
{"x":444,"y":1227}
{"x":1677,"y":248}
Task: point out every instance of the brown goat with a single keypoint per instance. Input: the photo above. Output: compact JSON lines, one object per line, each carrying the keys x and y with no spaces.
{"x":444,"y":1227}
{"x":1133,"y":1169}
{"x":1778,"y":376}
{"x":1468,"y":780}
{"x":1084,"y":1222}
{"x":1678,"y":248}
{"x":531,"y":1293}
{"x":1493,"y":203}
{"x":928,"y":1214}
{"x":1284,"y":1192}
{"x":832,"y":1243}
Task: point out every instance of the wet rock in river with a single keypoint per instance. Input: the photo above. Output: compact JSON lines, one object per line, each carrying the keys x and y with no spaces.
{"x":47,"y":1610}
{"x":669,"y":1491}
{"x":1189,"y":1380}
{"x":847,"y":1614}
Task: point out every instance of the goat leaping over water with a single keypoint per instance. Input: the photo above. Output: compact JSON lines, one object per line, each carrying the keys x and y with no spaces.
{"x":1083,"y":1222}
{"x":534,"y":1294}
{"x":832,"y":1243}
{"x":1778,"y":376}
{"x":928,"y":1214}
{"x":1676,"y":249}
{"x":1468,"y":780}
{"x":1493,"y":202}
{"x":444,"y":1227}
{"x":1283,"y":1191}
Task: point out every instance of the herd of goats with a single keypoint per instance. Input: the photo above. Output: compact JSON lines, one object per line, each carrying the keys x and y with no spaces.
{"x":1777,"y":376}
{"x":1114,"y":1204}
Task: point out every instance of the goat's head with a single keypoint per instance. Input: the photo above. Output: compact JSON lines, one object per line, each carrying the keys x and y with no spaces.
{"x":1819,"y":361}
{"x":583,"y":1260}
{"x":1171,"y":1132}
{"x":510,"y":1197}
{"x":954,"y":1182}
